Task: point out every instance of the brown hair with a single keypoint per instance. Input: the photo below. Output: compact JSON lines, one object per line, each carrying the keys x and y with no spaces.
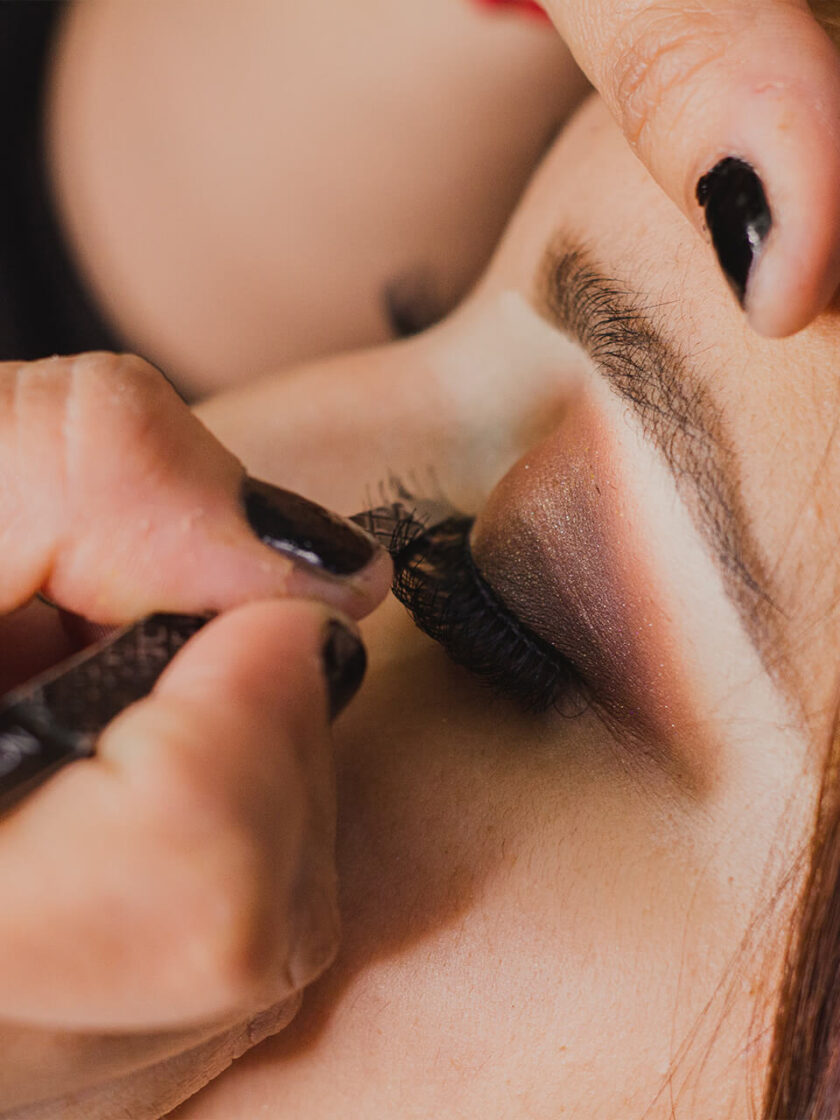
{"x":803,"y":1081}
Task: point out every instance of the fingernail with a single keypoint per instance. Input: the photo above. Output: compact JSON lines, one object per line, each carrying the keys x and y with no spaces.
{"x":738,"y":218}
{"x":345,"y":661}
{"x":273,"y":1019}
{"x":305,"y":531}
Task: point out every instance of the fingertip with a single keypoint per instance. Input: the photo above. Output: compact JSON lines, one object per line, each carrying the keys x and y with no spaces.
{"x":123,"y":504}
{"x":797,"y":277}
{"x":270,"y":644}
{"x":332,"y":557}
{"x":735,"y":109}
{"x":355,"y":596}
{"x":204,"y":555}
{"x":260,"y":541}
{"x":771,"y":194}
{"x":297,"y":661}
{"x":246,"y":677}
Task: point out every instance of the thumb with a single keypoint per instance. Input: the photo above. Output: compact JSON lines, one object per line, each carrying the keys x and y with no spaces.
{"x":734,"y":107}
{"x":186,"y":872}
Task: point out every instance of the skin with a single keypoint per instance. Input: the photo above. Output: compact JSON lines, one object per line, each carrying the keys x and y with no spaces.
{"x":699,"y":809}
{"x":220,"y":202}
{"x":691,"y":84}
{"x":544,"y":917}
{"x":115,"y":502}
{"x":242,"y":144}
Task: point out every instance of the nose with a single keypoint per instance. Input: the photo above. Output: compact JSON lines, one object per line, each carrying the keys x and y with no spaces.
{"x":448,"y":411}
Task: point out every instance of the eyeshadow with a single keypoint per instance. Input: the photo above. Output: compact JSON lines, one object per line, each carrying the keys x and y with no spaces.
{"x":557,"y":544}
{"x":565,"y":599}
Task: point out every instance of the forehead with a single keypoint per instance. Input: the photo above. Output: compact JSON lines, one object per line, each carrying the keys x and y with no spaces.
{"x":778,"y":401}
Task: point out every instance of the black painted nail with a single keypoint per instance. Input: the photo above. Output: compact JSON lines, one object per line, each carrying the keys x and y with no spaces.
{"x":304,"y":530}
{"x":738,"y":218}
{"x":345,"y":661}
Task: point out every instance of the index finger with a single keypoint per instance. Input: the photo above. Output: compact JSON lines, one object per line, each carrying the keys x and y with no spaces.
{"x":117,"y":502}
{"x":734,"y":107}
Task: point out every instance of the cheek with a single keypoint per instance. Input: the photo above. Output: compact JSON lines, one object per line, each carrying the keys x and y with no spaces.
{"x":506,"y":893}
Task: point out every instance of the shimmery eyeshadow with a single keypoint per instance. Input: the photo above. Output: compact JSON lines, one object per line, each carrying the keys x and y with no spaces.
{"x":555,"y":544}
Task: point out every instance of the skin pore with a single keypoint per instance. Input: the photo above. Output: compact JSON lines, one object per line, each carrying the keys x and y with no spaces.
{"x":549,"y":917}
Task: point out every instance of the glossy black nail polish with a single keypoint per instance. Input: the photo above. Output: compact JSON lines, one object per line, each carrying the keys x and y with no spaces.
{"x":345,"y":662}
{"x":738,"y":218}
{"x":304,"y":530}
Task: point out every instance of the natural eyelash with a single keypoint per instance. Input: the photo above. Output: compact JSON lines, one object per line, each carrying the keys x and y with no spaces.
{"x":437,"y":580}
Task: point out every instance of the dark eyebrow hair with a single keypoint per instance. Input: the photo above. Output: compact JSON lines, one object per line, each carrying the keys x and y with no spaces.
{"x":677,"y":414}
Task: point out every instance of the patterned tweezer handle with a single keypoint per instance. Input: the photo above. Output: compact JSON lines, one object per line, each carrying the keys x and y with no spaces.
{"x":57,"y":717}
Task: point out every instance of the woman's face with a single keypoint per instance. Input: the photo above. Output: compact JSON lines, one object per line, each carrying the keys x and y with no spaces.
{"x":550,"y":916}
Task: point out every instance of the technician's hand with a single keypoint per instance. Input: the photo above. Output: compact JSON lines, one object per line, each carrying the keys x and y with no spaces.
{"x":734,"y":106}
{"x":177,"y":890}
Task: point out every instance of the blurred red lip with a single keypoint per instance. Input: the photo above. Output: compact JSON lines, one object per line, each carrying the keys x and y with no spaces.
{"x":527,"y":6}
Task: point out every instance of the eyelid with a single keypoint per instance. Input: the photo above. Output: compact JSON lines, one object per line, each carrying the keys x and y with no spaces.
{"x":570,"y":543}
{"x":438,"y":582}
{"x":678,"y":413}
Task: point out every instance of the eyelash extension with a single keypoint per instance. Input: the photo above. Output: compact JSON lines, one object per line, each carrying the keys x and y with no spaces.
{"x":437,"y":580}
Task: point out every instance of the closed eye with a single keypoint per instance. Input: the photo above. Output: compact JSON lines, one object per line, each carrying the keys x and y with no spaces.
{"x":437,"y":580}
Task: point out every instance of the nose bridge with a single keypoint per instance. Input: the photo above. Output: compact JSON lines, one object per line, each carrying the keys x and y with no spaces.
{"x":505,"y":378}
{"x":450,"y":411}
{"x":446,"y":413}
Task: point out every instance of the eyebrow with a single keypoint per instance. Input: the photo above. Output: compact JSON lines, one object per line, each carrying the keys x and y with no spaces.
{"x":677,"y":414}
